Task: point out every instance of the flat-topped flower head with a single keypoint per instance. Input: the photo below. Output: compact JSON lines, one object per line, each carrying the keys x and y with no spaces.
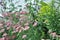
{"x":9,"y":23}
{"x":23,"y":12}
{"x":24,"y":36}
{"x":2,"y":30}
{"x":26,"y":27}
{"x":35,"y":24}
{"x":5,"y":34}
{"x":53,"y":34}
{"x":5,"y":14}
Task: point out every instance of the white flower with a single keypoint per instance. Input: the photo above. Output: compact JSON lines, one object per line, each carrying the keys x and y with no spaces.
{"x":1,"y":15}
{"x":2,"y":30}
{"x":5,"y":34}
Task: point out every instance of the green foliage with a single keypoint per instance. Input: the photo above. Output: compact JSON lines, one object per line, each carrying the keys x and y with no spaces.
{"x":50,"y":15}
{"x":47,"y":17}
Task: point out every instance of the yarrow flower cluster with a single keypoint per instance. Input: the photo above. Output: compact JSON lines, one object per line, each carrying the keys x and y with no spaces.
{"x":15,"y":23}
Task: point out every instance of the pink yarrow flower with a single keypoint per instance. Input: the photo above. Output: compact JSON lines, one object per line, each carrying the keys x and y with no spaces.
{"x":35,"y":24}
{"x":5,"y":34}
{"x":26,"y":24}
{"x":1,"y":24}
{"x":2,"y":30}
{"x":8,"y":28}
{"x":5,"y":14}
{"x":26,"y":27}
{"x":53,"y":34}
{"x":15,"y":26}
{"x":13,"y":36}
{"x":2,"y":38}
{"x":24,"y":36}
{"x":23,"y":12}
{"x":8,"y":23}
